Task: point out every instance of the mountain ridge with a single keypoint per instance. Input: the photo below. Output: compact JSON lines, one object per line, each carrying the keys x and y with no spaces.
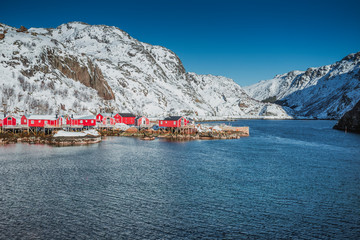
{"x":82,"y":68}
{"x":325,"y":92}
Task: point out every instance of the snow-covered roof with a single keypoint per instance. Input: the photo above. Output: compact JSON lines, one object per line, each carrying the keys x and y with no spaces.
{"x":62,"y":133}
{"x":83,"y":117}
{"x":107,"y":114}
{"x":2,"y":116}
{"x":43,"y":117}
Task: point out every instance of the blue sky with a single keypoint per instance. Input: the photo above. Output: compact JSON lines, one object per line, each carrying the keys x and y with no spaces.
{"x":247,"y":41}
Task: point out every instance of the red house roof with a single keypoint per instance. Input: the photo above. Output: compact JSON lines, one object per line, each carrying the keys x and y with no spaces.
{"x":126,"y":115}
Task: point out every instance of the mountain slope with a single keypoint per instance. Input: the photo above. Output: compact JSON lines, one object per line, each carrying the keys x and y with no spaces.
{"x":323,"y":92}
{"x":84,"y":68}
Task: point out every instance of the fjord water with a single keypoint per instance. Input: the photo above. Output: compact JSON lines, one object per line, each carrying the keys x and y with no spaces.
{"x":289,"y":179}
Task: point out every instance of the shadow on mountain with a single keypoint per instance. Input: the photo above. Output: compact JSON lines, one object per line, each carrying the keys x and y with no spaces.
{"x":309,"y":103}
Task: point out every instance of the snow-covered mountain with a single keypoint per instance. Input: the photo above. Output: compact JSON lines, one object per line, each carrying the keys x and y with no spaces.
{"x":84,"y":68}
{"x":322,"y":92}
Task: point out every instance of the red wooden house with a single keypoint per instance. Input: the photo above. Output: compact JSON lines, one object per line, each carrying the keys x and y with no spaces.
{"x":24,"y":119}
{"x":108,"y":120}
{"x":173,"y":121}
{"x":99,"y":117}
{"x":81,"y":121}
{"x":105,"y":118}
{"x":141,"y":120}
{"x":127,"y":118}
{"x":44,"y":121}
{"x":9,"y":121}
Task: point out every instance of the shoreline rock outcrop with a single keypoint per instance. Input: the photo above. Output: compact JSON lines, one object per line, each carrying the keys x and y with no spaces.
{"x":350,"y":121}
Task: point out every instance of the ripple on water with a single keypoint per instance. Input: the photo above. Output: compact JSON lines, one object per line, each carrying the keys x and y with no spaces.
{"x":289,"y":179}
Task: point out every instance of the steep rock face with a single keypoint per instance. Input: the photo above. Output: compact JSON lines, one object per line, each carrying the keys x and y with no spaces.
{"x":350,"y":121}
{"x":323,"y":92}
{"x":83,"y":68}
{"x":86,"y":73}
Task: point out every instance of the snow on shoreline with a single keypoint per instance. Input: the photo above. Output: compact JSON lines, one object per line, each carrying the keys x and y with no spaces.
{"x":233,"y":118}
{"x":63,"y":133}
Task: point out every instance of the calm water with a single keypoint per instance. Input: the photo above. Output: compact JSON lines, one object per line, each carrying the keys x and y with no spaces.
{"x":290,"y":179}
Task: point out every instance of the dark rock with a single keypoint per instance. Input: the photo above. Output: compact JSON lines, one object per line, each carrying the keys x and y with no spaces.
{"x":353,"y":57}
{"x":22,"y":29}
{"x":88,"y":73}
{"x":350,"y":121}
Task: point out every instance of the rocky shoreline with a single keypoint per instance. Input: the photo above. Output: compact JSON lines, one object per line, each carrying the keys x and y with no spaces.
{"x":90,"y":137}
{"x":350,"y":122}
{"x":47,"y":139}
{"x":232,"y":133}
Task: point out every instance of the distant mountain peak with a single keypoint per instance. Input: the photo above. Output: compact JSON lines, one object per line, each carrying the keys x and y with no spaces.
{"x":352,"y":57}
{"x":322,"y":92}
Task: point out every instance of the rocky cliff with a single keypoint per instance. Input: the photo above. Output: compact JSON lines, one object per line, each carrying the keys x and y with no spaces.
{"x":83,"y":68}
{"x":322,"y":92}
{"x":350,"y":121}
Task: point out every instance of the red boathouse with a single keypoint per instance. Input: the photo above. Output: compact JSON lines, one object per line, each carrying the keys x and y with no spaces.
{"x":81,"y":121}
{"x":24,"y":120}
{"x":108,"y":120}
{"x":141,"y":120}
{"x":127,"y":118}
{"x":44,"y":121}
{"x":173,"y":121}
{"x":99,"y":117}
{"x":9,"y":121}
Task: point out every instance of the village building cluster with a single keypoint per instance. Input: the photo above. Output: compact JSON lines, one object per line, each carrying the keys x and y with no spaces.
{"x":80,"y":122}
